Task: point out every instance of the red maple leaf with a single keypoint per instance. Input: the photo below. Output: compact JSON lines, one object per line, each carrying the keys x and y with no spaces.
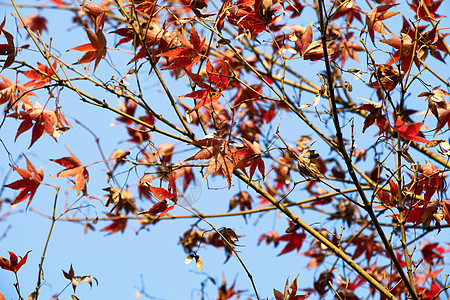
{"x":250,"y":156}
{"x":187,"y":55}
{"x":432,"y":5}
{"x":243,"y":199}
{"x":36,"y":23}
{"x":44,"y":122}
{"x":220,"y":153}
{"x":39,"y":79}
{"x":163,"y":194}
{"x":31,"y":179}
{"x":95,"y":50}
{"x":295,"y":241}
{"x":374,"y":19}
{"x":13,"y":264}
{"x":75,"y":168}
{"x":350,"y":10}
{"x":97,"y":13}
{"x":305,"y":46}
{"x":12,"y":92}
{"x":409,"y":132}
{"x":432,"y":253}
{"x":119,"y":223}
{"x":292,"y":295}
{"x":7,"y":49}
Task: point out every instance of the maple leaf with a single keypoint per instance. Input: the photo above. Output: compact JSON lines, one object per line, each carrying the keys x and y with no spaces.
{"x":253,"y":16}
{"x":250,"y":156}
{"x":44,"y":122}
{"x":185,"y":56}
{"x":7,"y":49}
{"x":36,"y":23}
{"x":75,"y":168}
{"x":76,"y":280}
{"x":269,"y":237}
{"x":374,"y":19}
{"x":220,"y":153}
{"x":289,"y":295}
{"x":13,"y":264}
{"x":388,"y":199}
{"x":31,"y":179}
{"x":421,"y":214}
{"x":121,"y":199}
{"x":41,"y":77}
{"x":97,"y":13}
{"x":228,"y":292}
{"x":295,"y":241}
{"x":432,"y":5}
{"x":346,"y":48}
{"x":119,"y":223}
{"x":95,"y":50}
{"x":387,"y":76}
{"x":409,"y":132}
{"x":350,"y":10}
{"x":436,"y":101}
{"x":13,"y":92}
{"x":432,"y":252}
{"x":163,"y":194}
{"x":305,"y":46}
{"x":243,"y":199}
{"x":430,"y":179}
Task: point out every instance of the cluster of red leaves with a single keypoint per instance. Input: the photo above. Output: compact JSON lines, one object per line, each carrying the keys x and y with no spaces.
{"x":74,"y":168}
{"x":13,"y":264}
{"x":218,"y":80}
{"x":375,"y":18}
{"x":41,"y":120}
{"x":414,"y":45}
{"x":253,"y":16}
{"x":31,"y":179}
{"x":225,"y":157}
{"x":431,"y":5}
{"x":7,"y":49}
{"x":185,"y":56}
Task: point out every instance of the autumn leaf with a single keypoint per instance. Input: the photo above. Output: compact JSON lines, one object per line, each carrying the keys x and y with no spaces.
{"x":7,"y":49}
{"x":31,"y":179}
{"x":220,"y":154}
{"x":432,"y":6}
{"x":295,"y":241}
{"x":289,"y":295}
{"x":41,"y":77}
{"x":74,"y":168}
{"x":250,"y":156}
{"x":95,"y":50}
{"x":409,"y":132}
{"x":375,"y":18}
{"x":13,"y":264}
{"x":243,"y":199}
{"x":36,"y":23}
{"x":97,"y":13}
{"x":45,"y":121}
{"x":119,"y":223}
{"x":13,"y":92}
{"x":185,"y":56}
{"x":162,"y":194}
{"x":350,"y":11}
